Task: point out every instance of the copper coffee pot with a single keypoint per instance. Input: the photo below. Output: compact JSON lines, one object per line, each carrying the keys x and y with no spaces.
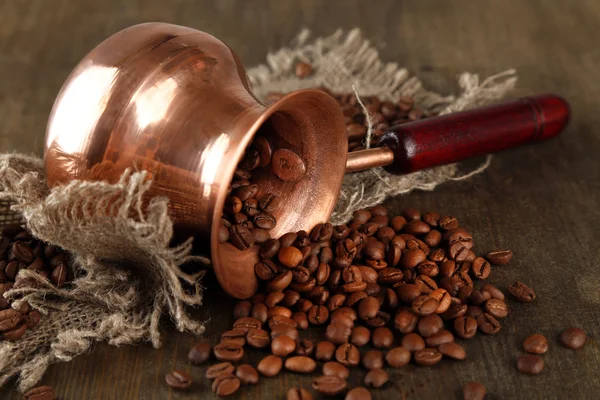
{"x":176,"y":102}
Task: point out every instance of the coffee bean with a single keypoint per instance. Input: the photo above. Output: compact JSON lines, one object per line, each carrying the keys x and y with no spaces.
{"x":225,"y":385}
{"x":279,"y":310}
{"x":318,"y":315}
{"x":22,"y":252}
{"x":535,"y":344}
{"x":360,"y":336}
{"x":287,"y":165}
{"x":281,"y":281}
{"x":412,"y":258}
{"x":530,"y":364}
{"x":178,"y":379}
{"x":417,"y":227}
{"x":500,"y":257}
{"x":324,"y":351}
{"x":270,"y":365}
{"x":495,"y":307}
{"x":521,"y":292}
{"x":382,"y":338}
{"x":454,"y":311}
{"x":408,"y":292}
{"x":265,"y":270}
{"x":347,"y":354}
{"x":40,"y":393}
{"x":333,"y":368}
{"x":474,"y":391}
{"x":235,"y":336}
{"x":465,"y":327}
{"x":242,"y":309}
{"x":452,"y":350}
{"x":247,"y":323}
{"x":494,"y":292}
{"x":246,"y":374}
{"x":488,"y":324}
{"x":232,"y":205}
{"x":358,"y":393}
{"x":368,"y":308}
{"x":289,"y":256}
{"x":405,"y":321}
{"x":441,"y":337}
{"x":424,"y":305}
{"x":199,"y":353}
{"x":300,"y":364}
{"x":217,"y":369}
{"x":9,"y":319}
{"x":336,"y":301}
{"x":427,"y":356}
{"x":241,"y":237}
{"x":14,"y":334}
{"x":32,"y":319}
{"x":573,"y":338}
{"x":228,"y":352}
{"x":398,"y":357}
{"x":258,"y":338}
{"x":376,"y":378}
{"x":372,"y":359}
{"x":397,"y":223}
{"x":411,"y":214}
{"x":251,"y":160}
{"x":329,"y":385}
{"x":298,"y":394}
{"x":412,"y":342}
{"x":478,"y":297}
{"x":430,"y":325}
{"x":337,"y":333}
{"x":448,"y":222}
{"x":259,"y":312}
{"x":301,"y":319}
{"x":474,"y":311}
{"x":288,"y":239}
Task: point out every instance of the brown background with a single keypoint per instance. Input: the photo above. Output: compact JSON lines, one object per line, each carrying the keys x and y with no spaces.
{"x":541,"y":201}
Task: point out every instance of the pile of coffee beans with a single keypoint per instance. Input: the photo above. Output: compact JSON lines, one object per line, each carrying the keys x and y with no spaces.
{"x":19,"y":250}
{"x":246,"y":217}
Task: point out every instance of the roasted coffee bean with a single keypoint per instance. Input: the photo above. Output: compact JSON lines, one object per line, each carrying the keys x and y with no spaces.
{"x":264,"y":220}
{"x":258,"y":338}
{"x":247,"y":374}
{"x":478,"y":297}
{"x":428,"y":268}
{"x":322,"y":273}
{"x":305,"y":347}
{"x":242,"y":309}
{"x":358,"y":393}
{"x":251,"y":159}
{"x":424,"y":305}
{"x":9,"y":319}
{"x":521,"y":292}
{"x":488,"y":324}
{"x":289,"y":256}
{"x":40,"y":393}
{"x":298,"y":394}
{"x":382,"y":338}
{"x":573,"y":338}
{"x":448,"y":222}
{"x":12,"y":269}
{"x":333,"y":368}
{"x":234,"y":336}
{"x":474,"y":391}
{"x":372,"y":359}
{"x":226,"y":384}
{"x":465,"y":327}
{"x":441,"y":337}
{"x":290,"y":298}
{"x":318,"y":315}
{"x":274,"y":298}
{"x":530,"y":364}
{"x":407,"y":293}
{"x":269,"y":248}
{"x":281,"y":281}
{"x":281,"y":320}
{"x":374,"y":250}
{"x":389,"y":276}
{"x":398,"y":357}
{"x":321,"y":232}
{"x":412,"y":258}
{"x":368,"y":308}
{"x":217,"y":369}
{"x":260,"y":235}
{"x":301,"y":319}
{"x":302,"y":282}
{"x":427,"y":356}
{"x":283,"y":345}
{"x":474,"y":311}
{"x":380,"y":320}
{"x":500,"y":257}
{"x":412,"y":342}
{"x":455,"y":310}
{"x":260,"y":312}
{"x":329,"y":385}
{"x":302,"y":239}
{"x":247,"y":323}
{"x":324,"y":350}
{"x":494,"y":292}
{"x":397,"y":223}
{"x":458,"y":251}
{"x":300,"y":364}
{"x":279,"y":310}
{"x":22,"y":252}
{"x":464,"y":293}
{"x":338,"y":333}
{"x":319,"y":295}
{"x":376,"y":378}
{"x":178,"y":379}
{"x":535,"y":344}
{"x":284,"y":330}
{"x":452,"y":350}
{"x":385,"y":234}
{"x":425,"y":284}
{"x":199,"y":353}
{"x":265,"y":270}
{"x":241,"y":237}
{"x":355,"y":298}
{"x":447,"y":268}
{"x":232,"y":205}
{"x":411,"y":214}
{"x":430,"y":325}
{"x":433,"y":238}
{"x":417,"y":227}
{"x":480,"y":268}
{"x":32,"y":319}
{"x":270,"y":365}
{"x":406,"y":321}
{"x":246,"y":192}
{"x":288,"y":239}
{"x":14,"y":334}
{"x":347,"y":354}
{"x":304,"y":305}
{"x":336,"y":301}
{"x":360,"y":336}
{"x":228,"y":352}
{"x":497,"y":308}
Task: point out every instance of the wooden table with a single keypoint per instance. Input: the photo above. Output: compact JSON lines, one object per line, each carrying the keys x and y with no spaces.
{"x":541,"y":201}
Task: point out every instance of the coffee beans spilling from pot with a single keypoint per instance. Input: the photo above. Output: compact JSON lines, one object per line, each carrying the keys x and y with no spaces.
{"x":20,"y":251}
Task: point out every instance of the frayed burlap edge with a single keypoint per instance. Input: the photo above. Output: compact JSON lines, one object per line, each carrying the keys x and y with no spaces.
{"x":127,"y":276}
{"x":345,"y":62}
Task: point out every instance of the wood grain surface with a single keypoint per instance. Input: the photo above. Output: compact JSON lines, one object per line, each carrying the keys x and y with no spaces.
{"x":541,"y":201}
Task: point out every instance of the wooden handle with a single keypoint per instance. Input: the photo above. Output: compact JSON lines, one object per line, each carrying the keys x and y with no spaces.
{"x":458,"y":136}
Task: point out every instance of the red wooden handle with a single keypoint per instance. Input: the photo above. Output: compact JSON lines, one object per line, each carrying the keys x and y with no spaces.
{"x":458,"y":136}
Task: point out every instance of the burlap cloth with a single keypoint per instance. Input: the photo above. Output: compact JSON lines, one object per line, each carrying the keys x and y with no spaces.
{"x":127,"y":278}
